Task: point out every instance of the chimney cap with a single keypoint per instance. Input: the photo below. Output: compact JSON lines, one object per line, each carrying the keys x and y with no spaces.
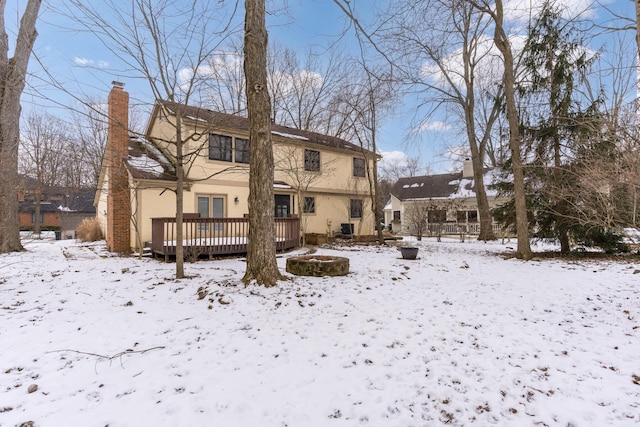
{"x":117,"y":84}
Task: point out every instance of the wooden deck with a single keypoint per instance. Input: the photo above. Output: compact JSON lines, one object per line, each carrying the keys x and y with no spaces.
{"x":213,"y":237}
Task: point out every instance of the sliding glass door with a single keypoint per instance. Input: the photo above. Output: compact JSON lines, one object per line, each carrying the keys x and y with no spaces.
{"x":211,"y":207}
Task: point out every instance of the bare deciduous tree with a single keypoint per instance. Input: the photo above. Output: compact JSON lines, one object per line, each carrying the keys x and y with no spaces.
{"x":443,"y":51}
{"x":415,"y":218}
{"x":12,"y":82}
{"x":370,"y":100}
{"x":503,"y":43}
{"x":90,"y":131}
{"x":44,"y":152}
{"x":305,"y":94}
{"x":290,"y":161}
{"x":309,"y":94}
{"x":223,"y":78}
{"x":166,"y":43}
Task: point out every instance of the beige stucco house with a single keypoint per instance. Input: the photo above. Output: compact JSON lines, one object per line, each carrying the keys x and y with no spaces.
{"x":319,"y":178}
{"x":445,"y":202}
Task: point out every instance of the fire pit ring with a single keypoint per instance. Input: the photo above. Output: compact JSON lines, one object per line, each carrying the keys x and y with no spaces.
{"x":318,"y":265}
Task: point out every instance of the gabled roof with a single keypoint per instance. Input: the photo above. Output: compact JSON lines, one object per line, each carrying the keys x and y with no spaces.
{"x":442,"y":186}
{"x":216,"y":119}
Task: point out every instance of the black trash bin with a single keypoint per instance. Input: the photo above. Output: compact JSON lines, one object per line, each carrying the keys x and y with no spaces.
{"x":58,"y":235}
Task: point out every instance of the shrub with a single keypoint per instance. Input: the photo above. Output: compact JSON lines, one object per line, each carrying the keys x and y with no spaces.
{"x":89,"y":230}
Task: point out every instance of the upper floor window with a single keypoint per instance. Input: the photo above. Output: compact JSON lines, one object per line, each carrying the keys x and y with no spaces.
{"x":311,"y":160}
{"x":356,"y":208}
{"x":358,"y":166}
{"x":220,"y":147}
{"x":242,"y":150}
{"x":309,"y":205}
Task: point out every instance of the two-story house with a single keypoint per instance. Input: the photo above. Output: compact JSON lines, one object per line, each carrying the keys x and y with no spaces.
{"x":319,"y":178}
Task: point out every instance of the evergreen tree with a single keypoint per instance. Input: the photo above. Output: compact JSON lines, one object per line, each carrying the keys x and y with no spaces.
{"x":562,"y":136}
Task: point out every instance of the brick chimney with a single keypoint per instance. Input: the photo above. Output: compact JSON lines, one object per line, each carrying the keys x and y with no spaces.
{"x":118,"y":197}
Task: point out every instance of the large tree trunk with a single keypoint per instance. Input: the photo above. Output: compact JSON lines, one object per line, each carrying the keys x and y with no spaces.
{"x":477,"y":160}
{"x":179,"y":198}
{"x":374,"y":190}
{"x":484,"y":212}
{"x":12,"y":82}
{"x":477,"y":149}
{"x":522,"y":222}
{"x":262,"y":267}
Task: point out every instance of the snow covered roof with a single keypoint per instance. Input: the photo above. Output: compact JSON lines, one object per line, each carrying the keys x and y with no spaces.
{"x":281,"y":184}
{"x":442,"y":186}
{"x":145,"y":161}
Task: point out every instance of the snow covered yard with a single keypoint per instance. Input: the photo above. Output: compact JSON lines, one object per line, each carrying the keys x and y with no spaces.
{"x":460,"y":336}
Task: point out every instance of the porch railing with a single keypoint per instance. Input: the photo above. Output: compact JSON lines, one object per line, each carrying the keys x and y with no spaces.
{"x":212,"y":237}
{"x":471,"y":228}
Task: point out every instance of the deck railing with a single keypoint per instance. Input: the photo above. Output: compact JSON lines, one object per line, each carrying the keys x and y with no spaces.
{"x":210,"y":237}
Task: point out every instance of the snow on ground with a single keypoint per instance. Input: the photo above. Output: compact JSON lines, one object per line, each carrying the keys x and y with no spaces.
{"x":460,"y":336}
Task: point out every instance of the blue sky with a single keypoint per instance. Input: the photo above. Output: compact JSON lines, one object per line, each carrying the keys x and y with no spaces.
{"x":79,"y":62}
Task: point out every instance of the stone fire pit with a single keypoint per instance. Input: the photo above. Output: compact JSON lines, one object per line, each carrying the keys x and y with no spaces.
{"x":318,"y":265}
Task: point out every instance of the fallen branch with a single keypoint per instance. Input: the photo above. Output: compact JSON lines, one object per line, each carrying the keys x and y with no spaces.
{"x":122,"y":353}
{"x":9,"y":264}
{"x":109,"y":358}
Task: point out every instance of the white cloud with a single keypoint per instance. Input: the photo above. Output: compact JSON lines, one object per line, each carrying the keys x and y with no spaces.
{"x":85,"y":62}
{"x":223,"y":67}
{"x":394,"y":156}
{"x":523,"y":10}
{"x":437,"y":126}
{"x":393,"y":160}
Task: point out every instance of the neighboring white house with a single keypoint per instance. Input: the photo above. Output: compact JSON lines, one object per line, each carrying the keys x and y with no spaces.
{"x":448,"y":200}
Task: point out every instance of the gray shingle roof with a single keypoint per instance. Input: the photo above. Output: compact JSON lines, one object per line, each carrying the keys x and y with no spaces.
{"x":82,"y":201}
{"x":146,"y":162}
{"x":72,"y":201}
{"x":240,"y":123}
{"x":424,"y":187}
